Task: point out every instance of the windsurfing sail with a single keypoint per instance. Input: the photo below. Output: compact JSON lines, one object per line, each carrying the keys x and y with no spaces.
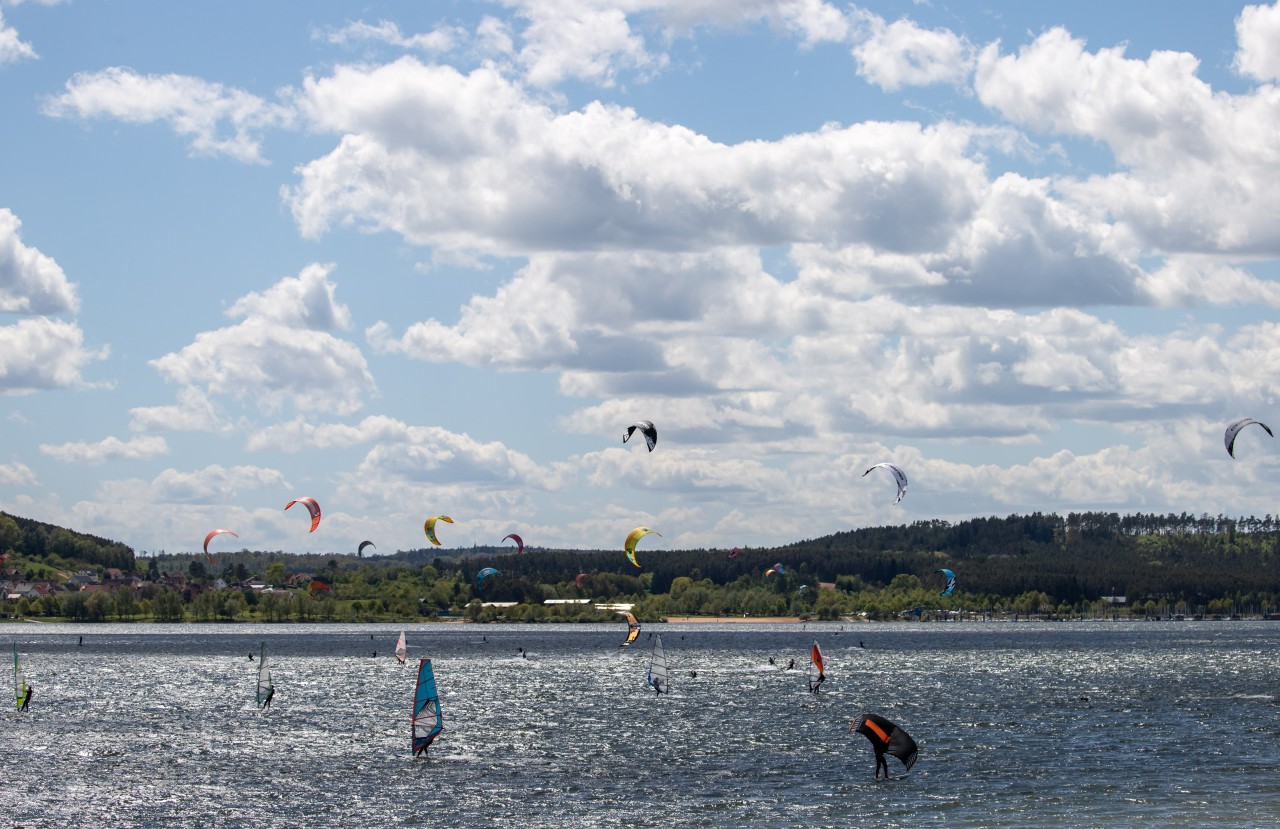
{"x":658,"y":668}
{"x":427,"y":721}
{"x":265,"y":688}
{"x":633,"y":628}
{"x":817,"y":669}
{"x":402,"y":648}
{"x":19,"y":679}
{"x":887,"y":737}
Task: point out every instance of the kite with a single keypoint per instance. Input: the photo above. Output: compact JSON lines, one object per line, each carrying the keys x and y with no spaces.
{"x":647,"y":429}
{"x":312,"y":507}
{"x":898,"y":475}
{"x":633,"y":537}
{"x":951,"y":582}
{"x":209,"y":537}
{"x":484,"y":574}
{"x":363,"y":544}
{"x":1234,"y":429}
{"x":518,"y":540}
{"x":430,"y":527}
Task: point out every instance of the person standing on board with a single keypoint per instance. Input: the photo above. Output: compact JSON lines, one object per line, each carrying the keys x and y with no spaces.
{"x":26,"y":699}
{"x":266,"y":703}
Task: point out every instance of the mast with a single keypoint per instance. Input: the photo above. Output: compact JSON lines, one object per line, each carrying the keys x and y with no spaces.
{"x":428,"y":720}
{"x":658,"y":668}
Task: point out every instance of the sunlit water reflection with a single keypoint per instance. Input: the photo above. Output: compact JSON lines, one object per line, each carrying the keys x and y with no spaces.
{"x":1020,"y":725}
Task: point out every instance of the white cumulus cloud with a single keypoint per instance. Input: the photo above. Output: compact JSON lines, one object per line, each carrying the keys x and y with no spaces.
{"x":281,"y":353}
{"x":31,"y":282}
{"x":218,"y":120}
{"x":108,"y":449}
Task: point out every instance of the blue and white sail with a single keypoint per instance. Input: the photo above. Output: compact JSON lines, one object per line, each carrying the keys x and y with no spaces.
{"x":658,"y":668}
{"x":427,"y":719}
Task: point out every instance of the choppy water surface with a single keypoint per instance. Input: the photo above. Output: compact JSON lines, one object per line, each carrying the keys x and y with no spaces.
{"x":1020,"y":725}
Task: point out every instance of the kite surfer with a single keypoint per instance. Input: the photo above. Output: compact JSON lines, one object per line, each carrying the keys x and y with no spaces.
{"x":791,"y":665}
{"x":26,"y":699}
{"x":250,"y":656}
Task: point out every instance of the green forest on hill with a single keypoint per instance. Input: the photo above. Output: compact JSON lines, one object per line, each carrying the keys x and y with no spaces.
{"x":1029,"y":565}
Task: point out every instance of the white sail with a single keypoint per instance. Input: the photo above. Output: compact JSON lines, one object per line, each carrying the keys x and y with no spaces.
{"x":658,"y":668}
{"x":264,"y":677}
{"x":402,"y":649}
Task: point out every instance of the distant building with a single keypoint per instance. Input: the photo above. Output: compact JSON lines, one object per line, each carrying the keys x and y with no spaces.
{"x":1114,"y":601}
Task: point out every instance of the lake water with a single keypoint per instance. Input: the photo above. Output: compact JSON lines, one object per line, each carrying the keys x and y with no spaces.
{"x":1109,"y":724}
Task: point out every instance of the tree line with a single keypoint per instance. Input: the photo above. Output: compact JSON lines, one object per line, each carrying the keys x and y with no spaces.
{"x":1033,"y":563}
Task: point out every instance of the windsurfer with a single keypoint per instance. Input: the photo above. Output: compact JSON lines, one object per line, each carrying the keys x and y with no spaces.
{"x":250,"y":656}
{"x":26,"y":699}
{"x":818,"y":684}
{"x":266,"y":702}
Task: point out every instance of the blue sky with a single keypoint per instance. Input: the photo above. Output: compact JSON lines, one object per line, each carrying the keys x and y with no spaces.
{"x":419,"y":259}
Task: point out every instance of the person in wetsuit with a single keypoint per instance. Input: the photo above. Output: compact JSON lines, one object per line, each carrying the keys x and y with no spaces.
{"x":266,"y":703}
{"x":881,"y":762}
{"x":26,"y":699}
